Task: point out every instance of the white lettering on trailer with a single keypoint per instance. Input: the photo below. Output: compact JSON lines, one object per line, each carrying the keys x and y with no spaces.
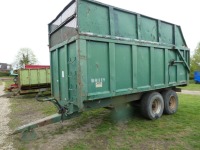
{"x":98,"y":82}
{"x":63,"y":74}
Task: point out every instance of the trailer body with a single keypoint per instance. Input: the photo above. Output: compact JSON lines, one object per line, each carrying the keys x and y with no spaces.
{"x":33,"y":80}
{"x":101,"y":55}
{"x":99,"y":51}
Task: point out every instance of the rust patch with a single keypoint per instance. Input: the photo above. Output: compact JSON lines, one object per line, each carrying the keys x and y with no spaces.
{"x":46,"y":122}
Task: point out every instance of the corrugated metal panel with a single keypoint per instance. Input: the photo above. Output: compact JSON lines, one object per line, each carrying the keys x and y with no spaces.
{"x":116,"y":67}
{"x":116,"y":52}
{"x":34,"y":78}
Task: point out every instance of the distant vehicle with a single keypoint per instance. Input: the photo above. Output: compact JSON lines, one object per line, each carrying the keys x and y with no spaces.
{"x":32,"y":78}
{"x":197,"y":77}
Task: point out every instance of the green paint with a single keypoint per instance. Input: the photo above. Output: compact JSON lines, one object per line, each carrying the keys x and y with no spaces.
{"x":32,"y":78}
{"x":149,"y":29}
{"x":103,"y":52}
{"x":98,"y":67}
{"x":127,"y":29}
{"x":159,"y":61}
{"x":106,"y":59}
{"x":87,"y":12}
{"x":123,"y":57}
{"x":54,"y":74}
{"x":143,"y":66}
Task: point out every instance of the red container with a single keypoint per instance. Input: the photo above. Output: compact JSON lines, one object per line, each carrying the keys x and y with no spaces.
{"x":36,"y":66}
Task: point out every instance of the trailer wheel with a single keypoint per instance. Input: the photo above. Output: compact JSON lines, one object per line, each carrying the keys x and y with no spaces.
{"x":152,"y":105}
{"x":170,"y":102}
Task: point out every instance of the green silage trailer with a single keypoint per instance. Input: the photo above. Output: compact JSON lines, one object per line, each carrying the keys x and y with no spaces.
{"x":33,"y":80}
{"x":104,"y":56}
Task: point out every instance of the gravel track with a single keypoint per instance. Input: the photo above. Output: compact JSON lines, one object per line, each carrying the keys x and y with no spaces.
{"x":5,"y":144}
{"x":190,"y":92}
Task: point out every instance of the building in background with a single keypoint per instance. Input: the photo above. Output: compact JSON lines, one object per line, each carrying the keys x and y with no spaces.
{"x":4,"y":67}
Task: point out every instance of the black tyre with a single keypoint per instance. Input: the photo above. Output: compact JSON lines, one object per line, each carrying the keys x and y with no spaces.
{"x":152,"y":105}
{"x":170,"y":102}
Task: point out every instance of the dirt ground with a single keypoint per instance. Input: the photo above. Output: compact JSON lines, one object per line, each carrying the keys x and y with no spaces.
{"x":54,"y":136}
{"x":5,"y":144}
{"x":190,"y":92}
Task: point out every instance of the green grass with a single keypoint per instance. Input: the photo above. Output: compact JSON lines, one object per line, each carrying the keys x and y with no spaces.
{"x":23,"y":105}
{"x":178,"y":131}
{"x":7,"y":82}
{"x":29,"y":101}
{"x":27,"y":105}
{"x":3,"y":74}
{"x":192,"y":86}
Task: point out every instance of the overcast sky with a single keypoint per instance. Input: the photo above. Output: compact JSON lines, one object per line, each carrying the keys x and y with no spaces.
{"x":24,"y":22}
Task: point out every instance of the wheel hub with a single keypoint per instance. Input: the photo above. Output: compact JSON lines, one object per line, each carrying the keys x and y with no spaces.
{"x":156,"y":106}
{"x":172,"y":103}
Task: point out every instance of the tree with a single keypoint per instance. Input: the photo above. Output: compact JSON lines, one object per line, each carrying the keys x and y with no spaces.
{"x":25,"y":56}
{"x":195,"y":61}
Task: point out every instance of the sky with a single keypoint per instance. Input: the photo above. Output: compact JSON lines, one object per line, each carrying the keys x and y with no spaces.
{"x":24,"y":22}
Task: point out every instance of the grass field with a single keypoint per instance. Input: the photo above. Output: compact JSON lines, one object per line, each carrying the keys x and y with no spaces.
{"x":178,"y":131}
{"x":2,"y":74}
{"x":192,"y":86}
{"x":9,"y":82}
